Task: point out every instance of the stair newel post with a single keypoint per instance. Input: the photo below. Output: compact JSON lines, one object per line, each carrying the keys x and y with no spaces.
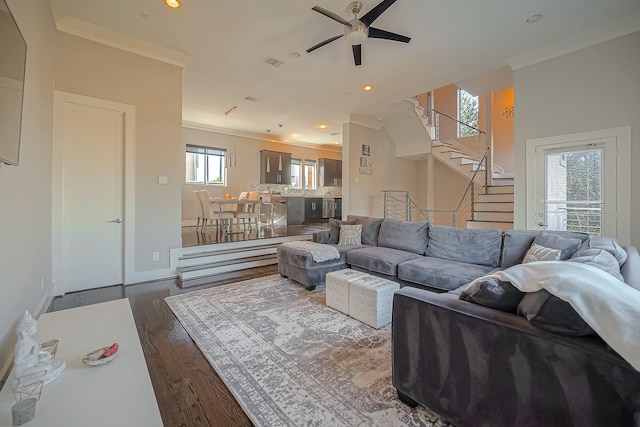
{"x":473,"y":200}
{"x":406,"y":203}
{"x":386,"y":203}
{"x":453,"y":219}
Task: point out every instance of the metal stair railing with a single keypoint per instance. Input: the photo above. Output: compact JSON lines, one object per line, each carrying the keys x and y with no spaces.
{"x":399,"y":205}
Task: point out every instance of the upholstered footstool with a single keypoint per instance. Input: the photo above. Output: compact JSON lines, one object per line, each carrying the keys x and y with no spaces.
{"x":371,"y":300}
{"x":337,"y":288}
{"x":296,"y":261}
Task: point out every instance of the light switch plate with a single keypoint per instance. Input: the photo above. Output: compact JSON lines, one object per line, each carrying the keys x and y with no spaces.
{"x":162,"y":179}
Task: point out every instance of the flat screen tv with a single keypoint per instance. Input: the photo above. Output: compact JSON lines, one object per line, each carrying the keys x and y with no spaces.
{"x":13,"y":54}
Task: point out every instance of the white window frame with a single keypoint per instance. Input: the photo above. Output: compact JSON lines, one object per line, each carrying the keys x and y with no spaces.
{"x":312,"y":164}
{"x":472,"y":130}
{"x":297,"y":163}
{"x":206,"y":152}
{"x":621,"y":137}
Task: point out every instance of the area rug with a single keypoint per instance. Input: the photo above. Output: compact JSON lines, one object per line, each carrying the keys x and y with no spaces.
{"x":290,"y":360}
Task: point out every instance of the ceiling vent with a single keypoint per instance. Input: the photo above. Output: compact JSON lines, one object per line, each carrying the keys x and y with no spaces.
{"x":251,"y":99}
{"x":335,"y":133}
{"x":273,"y":62}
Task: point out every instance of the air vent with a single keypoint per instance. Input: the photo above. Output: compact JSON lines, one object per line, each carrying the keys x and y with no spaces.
{"x":273,"y":62}
{"x":335,"y":133}
{"x":251,"y":99}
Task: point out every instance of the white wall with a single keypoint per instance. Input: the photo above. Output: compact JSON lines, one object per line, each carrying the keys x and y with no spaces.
{"x":365,"y":197}
{"x":590,"y":89}
{"x":25,"y":190}
{"x":155,"y":89}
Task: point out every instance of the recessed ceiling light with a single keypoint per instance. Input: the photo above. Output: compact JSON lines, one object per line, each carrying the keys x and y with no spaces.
{"x":172,"y":3}
{"x":323,"y":126}
{"x":534,"y":18}
{"x":295,"y":135}
{"x":367,"y":88}
{"x":336,"y":142}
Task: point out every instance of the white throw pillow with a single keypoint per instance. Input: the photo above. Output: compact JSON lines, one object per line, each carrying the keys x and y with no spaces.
{"x":540,"y":253}
{"x":350,"y":235}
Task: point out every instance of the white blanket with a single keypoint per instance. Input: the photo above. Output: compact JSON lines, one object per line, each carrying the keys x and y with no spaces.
{"x":318,"y":251}
{"x":609,"y":306}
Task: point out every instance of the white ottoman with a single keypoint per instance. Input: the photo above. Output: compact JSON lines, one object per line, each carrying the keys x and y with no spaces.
{"x":371,"y":300}
{"x":337,"y":288}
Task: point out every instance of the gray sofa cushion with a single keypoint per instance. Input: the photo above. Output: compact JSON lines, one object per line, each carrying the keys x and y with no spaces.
{"x":440,"y":273}
{"x":493,"y":293}
{"x":370,"y":231}
{"x":480,"y":247}
{"x":631,"y":268}
{"x":379,"y":259}
{"x":548,"y":312}
{"x":405,"y":236}
{"x":566,"y":245}
{"x":608,"y":244}
{"x":334,"y":232}
{"x":517,"y":242}
{"x":301,"y":259}
{"x":598,"y":258}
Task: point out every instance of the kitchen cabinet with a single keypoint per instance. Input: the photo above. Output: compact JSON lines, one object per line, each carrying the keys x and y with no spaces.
{"x":295,"y":210}
{"x":312,"y":210}
{"x":338,"y":211}
{"x":275,"y":167}
{"x":330,"y":172}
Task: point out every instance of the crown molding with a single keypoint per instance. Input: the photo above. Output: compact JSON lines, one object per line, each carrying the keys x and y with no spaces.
{"x":78,"y":27}
{"x":590,"y":37}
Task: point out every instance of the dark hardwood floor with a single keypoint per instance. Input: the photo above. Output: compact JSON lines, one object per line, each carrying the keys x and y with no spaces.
{"x":189,"y":392}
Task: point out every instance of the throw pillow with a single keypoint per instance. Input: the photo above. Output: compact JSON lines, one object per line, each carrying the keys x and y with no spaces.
{"x":608,"y":244}
{"x":599,"y":258}
{"x":493,"y":293}
{"x":567,"y":245}
{"x":334,"y":232}
{"x":541,"y":253}
{"x":548,"y":312}
{"x":350,"y":234}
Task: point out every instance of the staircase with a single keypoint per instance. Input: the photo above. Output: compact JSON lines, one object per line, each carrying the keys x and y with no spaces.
{"x":493,"y":206}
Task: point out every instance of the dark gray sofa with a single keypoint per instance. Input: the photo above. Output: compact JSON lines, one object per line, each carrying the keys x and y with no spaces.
{"x":478,"y":366}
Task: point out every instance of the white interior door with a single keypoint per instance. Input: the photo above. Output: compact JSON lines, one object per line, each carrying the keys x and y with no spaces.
{"x":93,"y":194}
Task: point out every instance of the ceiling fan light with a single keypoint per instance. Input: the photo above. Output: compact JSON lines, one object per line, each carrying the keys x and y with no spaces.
{"x":356,"y":33}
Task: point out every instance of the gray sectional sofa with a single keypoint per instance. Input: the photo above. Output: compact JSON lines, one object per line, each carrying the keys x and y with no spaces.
{"x":478,"y":365}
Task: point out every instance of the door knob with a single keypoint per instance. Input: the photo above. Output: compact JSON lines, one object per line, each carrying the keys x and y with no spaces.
{"x":119,"y":220}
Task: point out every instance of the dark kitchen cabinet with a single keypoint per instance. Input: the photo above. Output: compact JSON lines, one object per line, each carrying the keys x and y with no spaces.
{"x":275,"y":167}
{"x":338,"y":211}
{"x":312,"y":210}
{"x":330,"y":172}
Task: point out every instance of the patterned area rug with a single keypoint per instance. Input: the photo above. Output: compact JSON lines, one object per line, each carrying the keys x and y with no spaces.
{"x":290,"y":360}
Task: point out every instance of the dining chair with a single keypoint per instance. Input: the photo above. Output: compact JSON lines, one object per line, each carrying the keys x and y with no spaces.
{"x":240,"y":210}
{"x":200,"y":209}
{"x":212,"y":213}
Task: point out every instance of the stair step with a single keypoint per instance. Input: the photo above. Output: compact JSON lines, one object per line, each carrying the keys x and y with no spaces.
{"x":502,"y":225}
{"x":468,"y":161}
{"x":500,"y":189}
{"x":185,"y":274}
{"x":493,"y":216}
{"x":495,"y":198}
{"x":493,"y":207}
{"x":498,"y":182}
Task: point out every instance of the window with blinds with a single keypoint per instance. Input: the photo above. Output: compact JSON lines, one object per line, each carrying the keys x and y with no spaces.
{"x":205,"y":165}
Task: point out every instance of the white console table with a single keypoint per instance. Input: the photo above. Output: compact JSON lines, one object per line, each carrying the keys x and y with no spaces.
{"x":116,"y":394}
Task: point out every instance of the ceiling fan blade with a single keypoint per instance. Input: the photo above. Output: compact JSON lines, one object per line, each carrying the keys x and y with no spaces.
{"x":331,"y":15}
{"x":376,"y":33}
{"x":357,"y":54}
{"x":327,"y":41}
{"x":374,"y":13}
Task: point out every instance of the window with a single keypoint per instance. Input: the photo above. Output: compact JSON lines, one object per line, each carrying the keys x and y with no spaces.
{"x":467,"y":114}
{"x":310,"y":174}
{"x":205,"y":165}
{"x":296,"y":173}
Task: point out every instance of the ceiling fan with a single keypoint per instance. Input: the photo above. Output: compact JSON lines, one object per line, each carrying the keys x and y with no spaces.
{"x":358,"y":30}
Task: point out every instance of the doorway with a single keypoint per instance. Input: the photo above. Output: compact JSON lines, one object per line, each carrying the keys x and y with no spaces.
{"x":580,"y":182}
{"x":92,"y":139}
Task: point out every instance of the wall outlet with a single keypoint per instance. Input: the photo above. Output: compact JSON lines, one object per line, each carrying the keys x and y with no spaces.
{"x":156,"y":256}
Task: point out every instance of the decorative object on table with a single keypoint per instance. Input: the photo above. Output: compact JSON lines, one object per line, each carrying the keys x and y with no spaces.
{"x":50,"y":346}
{"x":29,"y":356}
{"x":102,"y":355}
{"x":23,"y":411}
